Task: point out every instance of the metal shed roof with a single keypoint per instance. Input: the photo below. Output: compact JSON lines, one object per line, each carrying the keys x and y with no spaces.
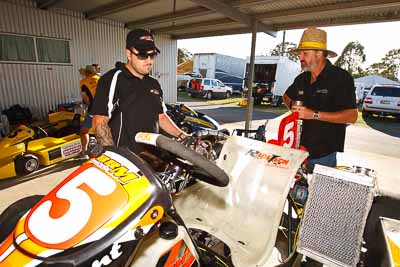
{"x":183,"y":19}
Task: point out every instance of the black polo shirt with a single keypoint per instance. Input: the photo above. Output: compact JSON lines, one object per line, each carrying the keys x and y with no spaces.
{"x":332,"y":91}
{"x":133,"y":106}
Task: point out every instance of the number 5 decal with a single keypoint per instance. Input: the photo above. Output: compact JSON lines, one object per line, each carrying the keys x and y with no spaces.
{"x":77,"y":208}
{"x":287,"y":131}
{"x":288,"y":135}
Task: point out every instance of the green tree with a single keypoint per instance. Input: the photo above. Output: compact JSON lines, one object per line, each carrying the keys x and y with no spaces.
{"x":392,"y":62}
{"x":388,"y":67}
{"x":277,"y":50}
{"x":351,"y":58}
{"x":183,"y":55}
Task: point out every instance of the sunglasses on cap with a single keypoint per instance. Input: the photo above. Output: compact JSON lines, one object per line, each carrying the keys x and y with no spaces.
{"x":144,"y":56}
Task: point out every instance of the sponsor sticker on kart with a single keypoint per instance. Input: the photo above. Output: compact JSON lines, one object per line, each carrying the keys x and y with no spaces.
{"x":270,"y":159}
{"x":71,"y":149}
{"x":118,"y":166}
{"x":146,"y":138}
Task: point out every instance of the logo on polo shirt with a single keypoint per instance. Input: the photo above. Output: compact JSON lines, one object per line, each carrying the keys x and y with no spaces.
{"x":155,"y":91}
{"x":322,"y":91}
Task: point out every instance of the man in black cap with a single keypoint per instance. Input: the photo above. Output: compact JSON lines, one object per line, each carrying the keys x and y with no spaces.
{"x":129,"y":100}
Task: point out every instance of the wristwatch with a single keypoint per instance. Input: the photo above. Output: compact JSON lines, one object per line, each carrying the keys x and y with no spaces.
{"x":316,"y":115}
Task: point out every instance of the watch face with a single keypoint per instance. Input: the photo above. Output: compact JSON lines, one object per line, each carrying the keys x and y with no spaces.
{"x":316,"y":115}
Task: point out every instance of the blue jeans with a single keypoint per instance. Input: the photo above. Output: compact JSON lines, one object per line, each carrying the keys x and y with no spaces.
{"x":328,"y":160}
{"x":87,"y":123}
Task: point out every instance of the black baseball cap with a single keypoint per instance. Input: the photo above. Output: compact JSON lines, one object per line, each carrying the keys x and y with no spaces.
{"x":141,"y":40}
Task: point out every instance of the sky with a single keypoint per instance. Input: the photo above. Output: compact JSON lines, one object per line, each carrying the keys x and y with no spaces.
{"x":377,"y":39}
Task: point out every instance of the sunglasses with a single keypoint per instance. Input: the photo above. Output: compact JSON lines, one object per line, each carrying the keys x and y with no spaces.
{"x":144,"y":56}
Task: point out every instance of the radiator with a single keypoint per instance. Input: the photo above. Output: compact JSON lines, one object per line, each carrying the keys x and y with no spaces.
{"x":335,"y":215}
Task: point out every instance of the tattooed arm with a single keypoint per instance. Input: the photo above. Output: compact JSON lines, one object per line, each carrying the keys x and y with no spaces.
{"x":102,"y":131}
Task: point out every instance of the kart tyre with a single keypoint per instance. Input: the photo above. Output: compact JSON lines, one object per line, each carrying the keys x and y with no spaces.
{"x":257,"y":100}
{"x":4,"y":125}
{"x":26,"y":164}
{"x":10,"y":216}
{"x":227,"y":94}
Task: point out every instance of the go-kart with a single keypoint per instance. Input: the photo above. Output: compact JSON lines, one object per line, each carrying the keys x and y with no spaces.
{"x":191,"y":121}
{"x":26,"y":148}
{"x":115,"y":210}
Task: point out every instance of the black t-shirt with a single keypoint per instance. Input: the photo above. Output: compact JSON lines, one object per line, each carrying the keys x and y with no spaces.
{"x":332,"y":91}
{"x":134,"y":105}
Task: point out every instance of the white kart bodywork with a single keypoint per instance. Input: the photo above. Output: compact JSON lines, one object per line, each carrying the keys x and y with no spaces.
{"x":245,"y":214}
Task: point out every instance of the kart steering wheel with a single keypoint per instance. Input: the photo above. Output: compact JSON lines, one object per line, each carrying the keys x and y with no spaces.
{"x":209,"y":172}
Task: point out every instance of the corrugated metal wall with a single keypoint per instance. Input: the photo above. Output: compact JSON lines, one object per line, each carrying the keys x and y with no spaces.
{"x":165,"y":66}
{"x":42,"y":86}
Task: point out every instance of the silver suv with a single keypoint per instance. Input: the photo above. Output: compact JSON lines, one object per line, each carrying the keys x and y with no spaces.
{"x":383,"y":100}
{"x":208,"y":88}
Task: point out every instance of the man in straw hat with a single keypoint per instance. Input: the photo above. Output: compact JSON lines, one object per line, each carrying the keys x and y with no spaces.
{"x":324,"y":97}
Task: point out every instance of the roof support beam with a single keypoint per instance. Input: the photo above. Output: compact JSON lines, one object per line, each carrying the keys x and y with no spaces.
{"x":238,"y":30}
{"x":249,"y":82}
{"x":234,"y":14}
{"x":183,"y":14}
{"x":114,"y":7}
{"x":44,"y":4}
{"x":194,"y":25}
{"x":242,"y":3}
{"x":329,"y":9}
{"x":190,"y":12}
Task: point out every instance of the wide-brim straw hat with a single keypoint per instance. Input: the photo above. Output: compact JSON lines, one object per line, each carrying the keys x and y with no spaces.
{"x":313,"y":39}
{"x":90,"y":69}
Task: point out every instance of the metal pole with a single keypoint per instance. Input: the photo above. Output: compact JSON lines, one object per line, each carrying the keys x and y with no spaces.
{"x":250,"y":79}
{"x":283,"y":44}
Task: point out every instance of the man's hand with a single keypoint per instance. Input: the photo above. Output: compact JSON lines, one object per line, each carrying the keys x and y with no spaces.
{"x":304,"y":112}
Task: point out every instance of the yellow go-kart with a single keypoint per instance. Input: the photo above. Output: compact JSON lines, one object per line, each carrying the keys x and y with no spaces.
{"x":26,"y":148}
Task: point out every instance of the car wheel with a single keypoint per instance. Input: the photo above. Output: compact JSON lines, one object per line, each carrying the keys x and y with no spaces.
{"x":26,"y":164}
{"x":11,"y":215}
{"x":227,"y":94}
{"x":209,"y":95}
{"x":366,"y":114}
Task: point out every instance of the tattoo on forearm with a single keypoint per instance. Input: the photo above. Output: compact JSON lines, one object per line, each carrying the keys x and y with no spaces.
{"x":103,"y":134}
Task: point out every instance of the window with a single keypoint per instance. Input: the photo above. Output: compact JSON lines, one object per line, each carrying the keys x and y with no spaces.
{"x":207,"y":82}
{"x":386,"y":91}
{"x":52,"y":50}
{"x":17,"y":48}
{"x":22,"y":48}
{"x":220,"y":84}
{"x":214,"y":83}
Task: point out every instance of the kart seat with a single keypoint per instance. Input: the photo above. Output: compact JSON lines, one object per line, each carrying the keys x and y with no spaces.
{"x":39,"y":132}
{"x":246,"y":214}
{"x":72,"y":128}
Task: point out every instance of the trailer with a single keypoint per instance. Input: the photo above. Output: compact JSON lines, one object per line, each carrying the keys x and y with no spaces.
{"x":227,"y":69}
{"x":272,"y":76}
